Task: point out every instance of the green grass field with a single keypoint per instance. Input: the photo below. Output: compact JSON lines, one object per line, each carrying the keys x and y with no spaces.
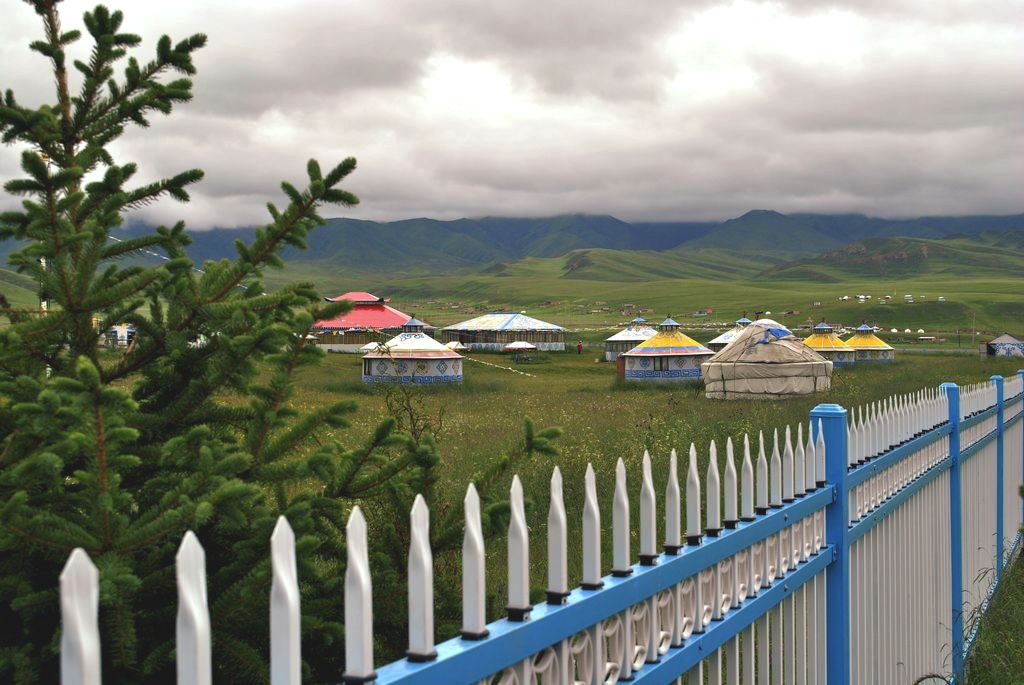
{"x":602,"y":422}
{"x":997,"y":655}
{"x":547,"y":289}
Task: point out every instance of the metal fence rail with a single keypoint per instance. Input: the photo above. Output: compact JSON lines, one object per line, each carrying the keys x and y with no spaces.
{"x":849,"y":552}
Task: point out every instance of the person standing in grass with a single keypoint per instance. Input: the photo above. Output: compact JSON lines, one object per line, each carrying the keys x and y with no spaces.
{"x":579,"y":347}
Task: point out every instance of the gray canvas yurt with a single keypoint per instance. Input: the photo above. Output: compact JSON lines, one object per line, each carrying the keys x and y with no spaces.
{"x":765,"y":362}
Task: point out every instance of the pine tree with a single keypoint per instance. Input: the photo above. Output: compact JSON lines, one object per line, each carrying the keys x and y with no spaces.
{"x":193,"y":426}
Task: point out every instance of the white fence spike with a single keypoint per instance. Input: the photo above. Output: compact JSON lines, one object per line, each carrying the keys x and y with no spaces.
{"x":673,"y":539}
{"x":591,"y":533}
{"x":518,"y":556}
{"x":648,"y":522}
{"x":192,"y":626}
{"x":358,"y":599}
{"x":787,"y":468}
{"x":747,"y":483}
{"x":79,"y":614}
{"x":809,"y":468}
{"x":421,"y":584}
{"x":285,"y":622}
{"x":799,"y":464}
{"x":474,"y":570}
{"x":558,"y":541}
{"x":732,"y":514}
{"x":775,"y":479}
{"x":819,"y":454}
{"x":620,"y":524}
{"x":713,"y":490}
{"x":762,"y":476}
{"x":692,"y":499}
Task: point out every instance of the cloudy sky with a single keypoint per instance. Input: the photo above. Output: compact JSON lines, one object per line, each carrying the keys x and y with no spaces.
{"x":647,"y":110}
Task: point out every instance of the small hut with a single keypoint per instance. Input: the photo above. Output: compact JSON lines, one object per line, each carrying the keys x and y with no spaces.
{"x":495,"y":330}
{"x":725,"y":338}
{"x":1004,"y":346}
{"x":825,"y":342}
{"x":766,"y":362}
{"x":412,"y":356}
{"x":869,"y":347}
{"x":637,"y":332}
{"x":667,"y":356}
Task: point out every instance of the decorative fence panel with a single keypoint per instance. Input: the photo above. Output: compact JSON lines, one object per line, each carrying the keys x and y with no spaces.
{"x":849,"y":552}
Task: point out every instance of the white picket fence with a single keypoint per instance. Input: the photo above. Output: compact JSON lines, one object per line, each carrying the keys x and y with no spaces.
{"x":735,"y":594}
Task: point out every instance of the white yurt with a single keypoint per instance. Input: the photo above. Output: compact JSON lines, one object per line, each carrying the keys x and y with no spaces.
{"x":637,"y":332}
{"x":668,"y":356}
{"x":412,"y":356}
{"x":766,"y":362}
{"x":725,"y":338}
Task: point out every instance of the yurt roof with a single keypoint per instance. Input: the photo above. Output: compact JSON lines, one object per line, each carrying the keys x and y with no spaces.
{"x":639,"y":319}
{"x":730,"y":335}
{"x":358,"y":296}
{"x":766,"y":344}
{"x":414,"y":345}
{"x":365,"y":316}
{"x":867,"y":340}
{"x":668,"y":343}
{"x":455,"y":345}
{"x":1006,"y":338}
{"x":825,"y":338}
{"x":504,"y":321}
{"x":632,"y":334}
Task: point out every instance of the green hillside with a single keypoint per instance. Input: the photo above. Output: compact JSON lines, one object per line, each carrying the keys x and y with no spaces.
{"x":19,"y":290}
{"x":764,"y":231}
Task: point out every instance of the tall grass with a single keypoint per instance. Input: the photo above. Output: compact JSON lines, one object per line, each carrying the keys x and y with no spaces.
{"x":997,"y":654}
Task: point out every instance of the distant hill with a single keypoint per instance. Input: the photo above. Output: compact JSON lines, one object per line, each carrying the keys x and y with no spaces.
{"x":764,"y":231}
{"x":987,"y":253}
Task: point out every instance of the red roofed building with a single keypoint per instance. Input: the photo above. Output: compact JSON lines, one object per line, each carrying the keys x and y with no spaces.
{"x":371,"y":320}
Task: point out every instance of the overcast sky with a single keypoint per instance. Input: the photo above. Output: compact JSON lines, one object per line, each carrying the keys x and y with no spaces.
{"x":646,"y":110}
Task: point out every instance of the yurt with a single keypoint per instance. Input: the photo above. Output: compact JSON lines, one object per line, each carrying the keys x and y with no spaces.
{"x":371,"y":320}
{"x":667,"y":356}
{"x":637,"y":332}
{"x":456,"y":345}
{"x":412,"y":356}
{"x":869,"y":347}
{"x":1004,"y":346}
{"x":766,"y":362}
{"x":825,"y":342}
{"x":497,"y":329}
{"x":725,"y":338}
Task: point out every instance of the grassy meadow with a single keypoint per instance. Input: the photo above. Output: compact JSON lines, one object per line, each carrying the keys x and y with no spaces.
{"x":603,"y":420}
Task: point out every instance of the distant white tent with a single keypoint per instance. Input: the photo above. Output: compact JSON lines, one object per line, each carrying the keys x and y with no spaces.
{"x":456,"y":345}
{"x":623,"y":341}
{"x":730,"y":335}
{"x":519,"y":346}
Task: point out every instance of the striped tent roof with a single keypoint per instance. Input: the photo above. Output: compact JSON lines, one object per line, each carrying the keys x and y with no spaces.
{"x":824,"y":338}
{"x":865,"y":339}
{"x":668,"y":341}
{"x":504,"y":321}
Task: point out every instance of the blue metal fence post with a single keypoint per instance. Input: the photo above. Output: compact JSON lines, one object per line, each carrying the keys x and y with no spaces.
{"x":998,"y":380}
{"x":837,"y":576}
{"x":955,"y":535}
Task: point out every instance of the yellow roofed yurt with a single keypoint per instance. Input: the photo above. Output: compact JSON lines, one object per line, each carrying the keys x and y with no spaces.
{"x":637,"y":332}
{"x":412,"y":356}
{"x":766,"y":362}
{"x":825,"y":342}
{"x":869,"y":347}
{"x":666,"y":357}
